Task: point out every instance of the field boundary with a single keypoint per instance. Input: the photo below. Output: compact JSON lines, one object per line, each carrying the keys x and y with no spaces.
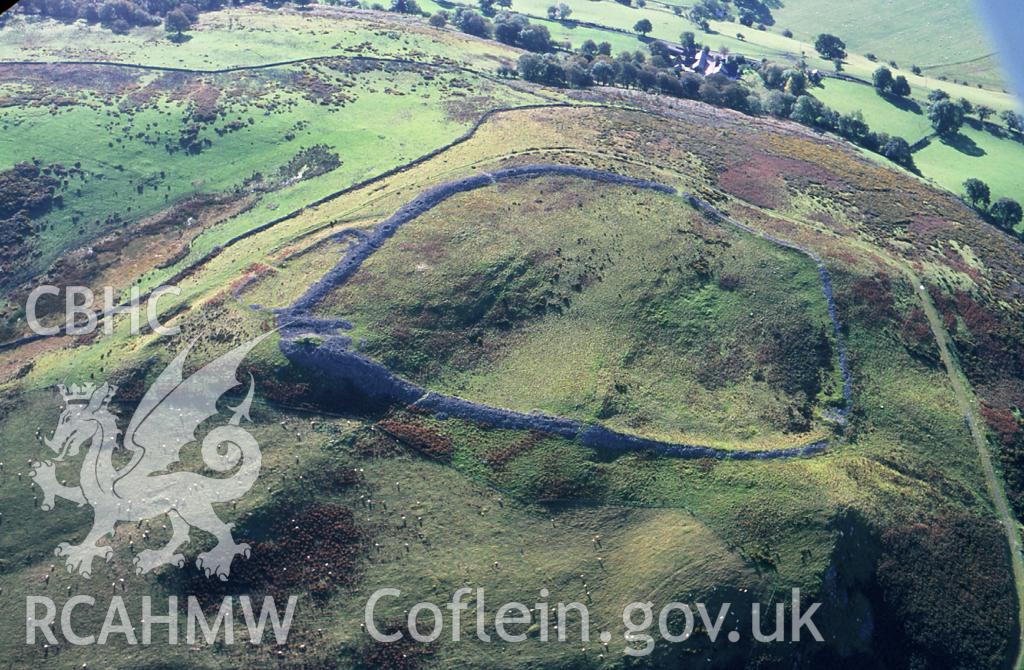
{"x":218,"y":249}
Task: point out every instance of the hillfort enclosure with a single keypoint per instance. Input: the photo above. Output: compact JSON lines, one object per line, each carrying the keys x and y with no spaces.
{"x":337,"y":335}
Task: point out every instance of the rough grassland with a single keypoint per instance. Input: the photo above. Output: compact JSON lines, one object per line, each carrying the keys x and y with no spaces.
{"x":765,"y":527}
{"x":624,"y":308}
{"x":225,"y":39}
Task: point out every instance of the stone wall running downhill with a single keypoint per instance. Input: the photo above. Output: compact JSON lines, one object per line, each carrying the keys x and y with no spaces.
{"x":316,"y":344}
{"x":826,"y":287}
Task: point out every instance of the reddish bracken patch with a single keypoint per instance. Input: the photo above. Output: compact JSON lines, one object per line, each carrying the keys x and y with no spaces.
{"x":989,"y":345}
{"x":419,"y":437}
{"x":251,"y":274}
{"x":869,"y":300}
{"x":315,"y":549}
{"x":1003,"y":423}
{"x":500,"y":457}
{"x":916,"y":335}
{"x":758,"y":181}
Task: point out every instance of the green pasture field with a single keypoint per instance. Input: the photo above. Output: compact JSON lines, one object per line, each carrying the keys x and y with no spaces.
{"x":249,"y":36}
{"x":995,"y":159}
{"x":907,"y":119}
{"x":772,"y":45}
{"x":938,"y":35}
{"x":130,"y":174}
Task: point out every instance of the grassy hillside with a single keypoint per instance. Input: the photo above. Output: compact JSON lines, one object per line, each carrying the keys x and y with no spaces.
{"x":894,"y":522}
{"x":624,"y":309}
{"x":943,"y":37}
{"x":247,"y":36}
{"x":239,"y":149}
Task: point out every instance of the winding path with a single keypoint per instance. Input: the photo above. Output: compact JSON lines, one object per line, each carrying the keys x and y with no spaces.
{"x":316,"y":344}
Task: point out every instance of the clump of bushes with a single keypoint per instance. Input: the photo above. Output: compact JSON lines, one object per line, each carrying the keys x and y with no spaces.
{"x":26,"y":190}
{"x":311,"y":162}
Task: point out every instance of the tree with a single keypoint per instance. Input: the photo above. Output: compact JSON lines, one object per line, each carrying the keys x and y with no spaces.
{"x":688,"y":41}
{"x":530,"y":67}
{"x":796,"y":82}
{"x":629,"y":74}
{"x":669,"y":84}
{"x":772,"y":75}
{"x":691,"y":84}
{"x":578,"y":77}
{"x":603,"y":72}
{"x":947,"y":117}
{"x":564,"y":11}
{"x":439,"y":18}
{"x":853,"y":127}
{"x":646,"y":78}
{"x":405,"y":7}
{"x":604,"y":48}
{"x":901,"y":87}
{"x":472,"y":23}
{"x":505,"y":4}
{"x":936,"y":95}
{"x":1013,"y":120}
{"x":966,"y":105}
{"x":978,"y":193}
{"x":535,"y":38}
{"x":721,"y":91}
{"x":984,"y":112}
{"x":659,"y":51}
{"x":898,"y":151}
{"x":552,"y":12}
{"x":882,"y":79}
{"x":643,"y":26}
{"x":507,"y":28}
{"x":807,"y":110}
{"x":176,"y":22}
{"x":779,"y":104}
{"x":830,"y":47}
{"x":755,"y":11}
{"x":589,"y":49}
{"x":1007,"y":213}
